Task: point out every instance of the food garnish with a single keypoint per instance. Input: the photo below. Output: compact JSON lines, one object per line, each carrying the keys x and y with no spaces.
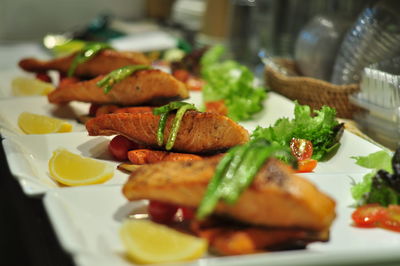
{"x":148,"y":242}
{"x":24,"y":86}
{"x":378,"y":195}
{"x":231,"y":82}
{"x":163,"y":112}
{"x":85,"y":54}
{"x":319,"y":127}
{"x":235,"y":172}
{"x":40,"y":124}
{"x":118,"y":75}
{"x":72,"y":169}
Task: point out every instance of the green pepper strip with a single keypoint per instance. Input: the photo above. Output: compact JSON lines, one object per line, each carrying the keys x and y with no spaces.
{"x":118,"y":75}
{"x":247,"y":171}
{"x":168,"y":107}
{"x":87,"y":52}
{"x":234,"y":173}
{"x":176,"y":124}
{"x":211,"y":197}
{"x":226,"y":184}
{"x":161,"y":127}
{"x":163,"y":111}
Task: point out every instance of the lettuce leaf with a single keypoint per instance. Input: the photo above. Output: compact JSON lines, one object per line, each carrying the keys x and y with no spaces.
{"x":376,"y":160}
{"x":232,"y":82}
{"x":319,"y":127}
{"x":382,"y":185}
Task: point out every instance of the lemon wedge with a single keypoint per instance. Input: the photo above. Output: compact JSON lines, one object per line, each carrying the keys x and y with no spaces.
{"x":73,"y":170}
{"x":40,"y":124}
{"x":23,"y":86}
{"x":148,"y":242}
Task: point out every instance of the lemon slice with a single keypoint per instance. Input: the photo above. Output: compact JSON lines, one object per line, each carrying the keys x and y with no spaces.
{"x":73,"y":170}
{"x":23,"y":86}
{"x":40,"y":124}
{"x":148,"y":242}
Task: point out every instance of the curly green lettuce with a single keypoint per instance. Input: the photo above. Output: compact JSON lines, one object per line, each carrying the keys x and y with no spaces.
{"x":320,"y":127}
{"x":232,"y":82}
{"x":382,"y":185}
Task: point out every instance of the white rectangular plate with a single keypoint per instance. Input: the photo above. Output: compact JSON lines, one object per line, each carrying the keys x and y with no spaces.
{"x":28,"y":157}
{"x":87,"y":220}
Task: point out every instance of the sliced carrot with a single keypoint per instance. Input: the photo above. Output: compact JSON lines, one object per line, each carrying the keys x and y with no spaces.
{"x":106,"y":109}
{"x":147,"y":156}
{"x":172,"y":156}
{"x":218,"y":107}
{"x":134,"y":109}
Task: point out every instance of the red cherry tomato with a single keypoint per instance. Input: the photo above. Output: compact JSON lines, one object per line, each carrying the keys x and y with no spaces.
{"x":93,"y":109}
{"x":302,"y":149}
{"x":391,"y":219}
{"x":181,"y":74}
{"x":119,"y":147}
{"x":188,"y":213}
{"x":195,"y":84}
{"x":161,"y":212}
{"x":369,"y":215}
{"x":307,"y":165}
{"x":43,"y":77}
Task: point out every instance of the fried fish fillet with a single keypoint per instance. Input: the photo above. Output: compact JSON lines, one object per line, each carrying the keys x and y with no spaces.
{"x":143,"y":87}
{"x":276,"y":198}
{"x":104,"y":62}
{"x":198,"y":132}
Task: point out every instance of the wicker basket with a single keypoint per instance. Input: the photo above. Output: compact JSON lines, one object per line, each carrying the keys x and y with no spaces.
{"x":311,"y":91}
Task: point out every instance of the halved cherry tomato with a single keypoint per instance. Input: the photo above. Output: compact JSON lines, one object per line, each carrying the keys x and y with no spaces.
{"x":181,"y":74}
{"x":375,"y":215}
{"x":218,"y":107}
{"x":195,"y":84}
{"x":119,"y":147}
{"x":161,"y":212}
{"x":369,"y":215}
{"x":43,"y":77}
{"x":302,"y":149}
{"x":307,"y":165}
{"x":391,"y":220}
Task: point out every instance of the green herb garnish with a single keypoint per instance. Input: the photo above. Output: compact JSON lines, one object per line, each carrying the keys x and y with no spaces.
{"x":320,"y":127}
{"x":118,"y":75}
{"x":235,"y":172}
{"x":86,"y":53}
{"x":232,"y":82}
{"x":163,"y":112}
{"x":382,"y":185}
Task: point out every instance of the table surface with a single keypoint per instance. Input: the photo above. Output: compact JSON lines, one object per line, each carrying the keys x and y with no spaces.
{"x":26,"y":235}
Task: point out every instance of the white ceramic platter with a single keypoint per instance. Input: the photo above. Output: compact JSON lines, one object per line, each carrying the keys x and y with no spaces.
{"x":87,"y":220}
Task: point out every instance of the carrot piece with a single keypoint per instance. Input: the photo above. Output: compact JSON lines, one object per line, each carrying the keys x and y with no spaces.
{"x":218,"y":107}
{"x":134,"y":109}
{"x":147,"y":156}
{"x":106,"y":109}
{"x":172,"y":156}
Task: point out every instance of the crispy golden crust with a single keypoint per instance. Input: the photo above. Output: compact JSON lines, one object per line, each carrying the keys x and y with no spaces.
{"x":101,"y":64}
{"x":198,"y":133}
{"x":143,"y":87}
{"x":277,"y":197}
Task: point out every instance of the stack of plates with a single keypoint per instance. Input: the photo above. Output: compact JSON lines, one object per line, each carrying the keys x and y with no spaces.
{"x":380,"y":98}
